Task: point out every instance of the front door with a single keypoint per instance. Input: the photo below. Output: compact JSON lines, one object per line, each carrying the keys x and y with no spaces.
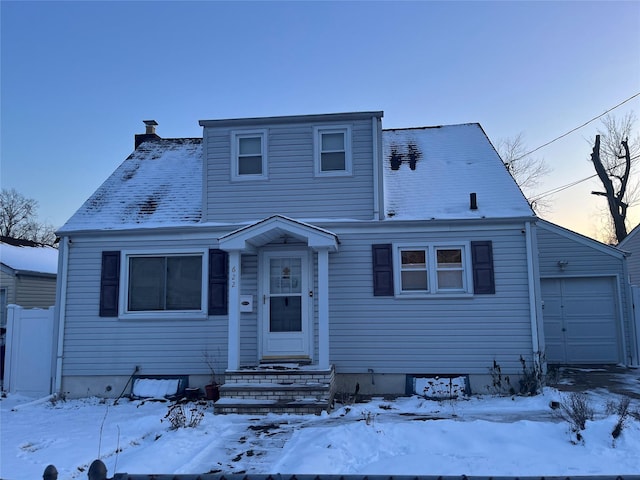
{"x":285,"y":305}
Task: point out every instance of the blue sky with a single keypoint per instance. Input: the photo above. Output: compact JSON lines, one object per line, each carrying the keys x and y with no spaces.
{"x":78,"y":78}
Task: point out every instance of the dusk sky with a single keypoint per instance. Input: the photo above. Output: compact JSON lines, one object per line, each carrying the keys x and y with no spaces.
{"x":78,"y":79}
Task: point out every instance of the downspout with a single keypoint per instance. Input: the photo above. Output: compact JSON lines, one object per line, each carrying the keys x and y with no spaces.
{"x":533,"y":306}
{"x":62,"y":307}
{"x":375,"y":132}
{"x":634,"y":341}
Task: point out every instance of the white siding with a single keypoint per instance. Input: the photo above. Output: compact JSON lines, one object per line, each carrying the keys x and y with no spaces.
{"x":388,"y":334}
{"x":429,"y":335}
{"x":95,"y":345}
{"x":291,"y":188}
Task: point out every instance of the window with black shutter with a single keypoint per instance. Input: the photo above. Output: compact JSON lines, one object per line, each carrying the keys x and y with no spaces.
{"x":109,"y":284}
{"x":483,"y":276}
{"x":218,"y":282}
{"x":382,"y":270}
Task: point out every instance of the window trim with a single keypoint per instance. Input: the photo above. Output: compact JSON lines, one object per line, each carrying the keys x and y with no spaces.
{"x":236,"y":135}
{"x":125,"y":314}
{"x":433,"y":290}
{"x":318,"y":131}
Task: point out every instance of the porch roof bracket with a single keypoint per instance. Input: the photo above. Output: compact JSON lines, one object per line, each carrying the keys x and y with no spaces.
{"x":278,"y":229}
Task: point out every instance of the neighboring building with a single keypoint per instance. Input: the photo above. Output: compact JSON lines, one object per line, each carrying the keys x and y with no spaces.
{"x":27,"y":275}
{"x":375,"y":256}
{"x":631,"y":245}
{"x":587,"y":301}
{"x":27,"y":278}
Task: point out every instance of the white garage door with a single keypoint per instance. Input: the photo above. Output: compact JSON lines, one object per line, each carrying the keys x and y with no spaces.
{"x":580,"y":320}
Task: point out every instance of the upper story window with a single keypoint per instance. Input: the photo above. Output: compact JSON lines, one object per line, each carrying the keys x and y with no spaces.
{"x":433,"y":269}
{"x":249,"y":155}
{"x":332,"y":151}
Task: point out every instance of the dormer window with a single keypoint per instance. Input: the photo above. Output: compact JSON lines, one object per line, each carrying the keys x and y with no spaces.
{"x":332,"y":150}
{"x":249,"y":155}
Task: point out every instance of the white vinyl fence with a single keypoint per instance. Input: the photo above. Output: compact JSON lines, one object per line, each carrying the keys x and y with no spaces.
{"x":30,"y":351}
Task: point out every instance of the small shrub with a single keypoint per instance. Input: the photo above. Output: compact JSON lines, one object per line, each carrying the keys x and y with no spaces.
{"x":533,"y":377}
{"x":576,"y":410}
{"x":179,"y":417}
{"x":500,"y":384}
{"x":620,"y":408}
{"x":368,"y":417}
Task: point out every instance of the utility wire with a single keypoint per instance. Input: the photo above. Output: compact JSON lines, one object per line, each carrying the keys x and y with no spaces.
{"x":573,"y":184}
{"x":576,"y":128}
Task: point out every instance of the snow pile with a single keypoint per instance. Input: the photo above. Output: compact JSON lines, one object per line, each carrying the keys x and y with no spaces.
{"x":155,"y":387}
{"x":486,"y":436}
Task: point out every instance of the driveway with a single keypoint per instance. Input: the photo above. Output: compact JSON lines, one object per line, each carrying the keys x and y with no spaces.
{"x":616,"y":379}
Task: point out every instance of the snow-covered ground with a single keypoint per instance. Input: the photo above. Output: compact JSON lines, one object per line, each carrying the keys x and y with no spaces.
{"x":484,"y":435}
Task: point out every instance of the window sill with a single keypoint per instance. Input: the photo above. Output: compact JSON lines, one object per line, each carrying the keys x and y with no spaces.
{"x":162,"y":315}
{"x":434,"y":296}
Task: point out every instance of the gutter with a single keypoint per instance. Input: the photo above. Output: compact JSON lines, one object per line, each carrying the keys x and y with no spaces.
{"x":62,"y":310}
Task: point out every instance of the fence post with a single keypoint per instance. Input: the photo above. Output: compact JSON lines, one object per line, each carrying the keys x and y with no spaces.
{"x":98,"y":470}
{"x":50,"y":473}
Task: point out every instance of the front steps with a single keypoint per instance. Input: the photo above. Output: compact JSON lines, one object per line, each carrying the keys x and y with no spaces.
{"x":277,"y":388}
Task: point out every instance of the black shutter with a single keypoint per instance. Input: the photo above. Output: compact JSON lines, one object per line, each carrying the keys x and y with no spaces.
{"x":382,"y":270}
{"x":109,"y":284}
{"x":482,"y":259}
{"x":218,"y":282}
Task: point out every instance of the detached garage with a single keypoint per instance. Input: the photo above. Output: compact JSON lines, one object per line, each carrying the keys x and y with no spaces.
{"x":587,"y":306}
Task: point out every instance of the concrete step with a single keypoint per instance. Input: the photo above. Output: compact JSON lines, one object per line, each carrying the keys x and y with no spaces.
{"x":255,"y":407}
{"x":275,"y":391}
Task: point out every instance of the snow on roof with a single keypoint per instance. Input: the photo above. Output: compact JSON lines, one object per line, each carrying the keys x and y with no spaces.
{"x":29,"y":259}
{"x":429,"y":173}
{"x":160,"y":183}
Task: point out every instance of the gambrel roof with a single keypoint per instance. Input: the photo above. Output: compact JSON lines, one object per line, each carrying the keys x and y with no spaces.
{"x":428,"y":173}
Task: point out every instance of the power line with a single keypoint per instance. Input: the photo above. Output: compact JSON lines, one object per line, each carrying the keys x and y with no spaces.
{"x":572,"y":184}
{"x":577,"y":128}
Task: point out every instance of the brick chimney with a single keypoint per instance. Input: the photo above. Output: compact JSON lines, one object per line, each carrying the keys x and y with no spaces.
{"x":149,"y":134}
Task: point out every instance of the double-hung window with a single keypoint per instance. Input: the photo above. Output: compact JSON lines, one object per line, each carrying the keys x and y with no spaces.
{"x":332,"y":153}
{"x":172,"y":283}
{"x":414,"y":274}
{"x":249,"y":155}
{"x":433,"y":269}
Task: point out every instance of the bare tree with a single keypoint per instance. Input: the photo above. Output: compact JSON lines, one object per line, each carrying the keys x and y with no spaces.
{"x":18,"y":218}
{"x":611,"y":157}
{"x":527,"y":171}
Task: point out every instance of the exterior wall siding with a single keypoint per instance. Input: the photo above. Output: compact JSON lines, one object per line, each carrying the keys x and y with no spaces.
{"x":585,"y":261}
{"x":8,"y":281}
{"x":35,"y":292}
{"x":388,"y":334}
{"x":95,"y":345}
{"x":429,"y":335}
{"x":632,"y":244}
{"x":290,"y":165}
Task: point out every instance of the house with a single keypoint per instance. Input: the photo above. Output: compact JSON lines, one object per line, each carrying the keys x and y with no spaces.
{"x":27,"y":278}
{"x":313,"y":250}
{"x":587,"y":301}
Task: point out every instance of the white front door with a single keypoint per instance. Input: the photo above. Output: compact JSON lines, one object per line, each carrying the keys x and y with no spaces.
{"x":285,"y":305}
